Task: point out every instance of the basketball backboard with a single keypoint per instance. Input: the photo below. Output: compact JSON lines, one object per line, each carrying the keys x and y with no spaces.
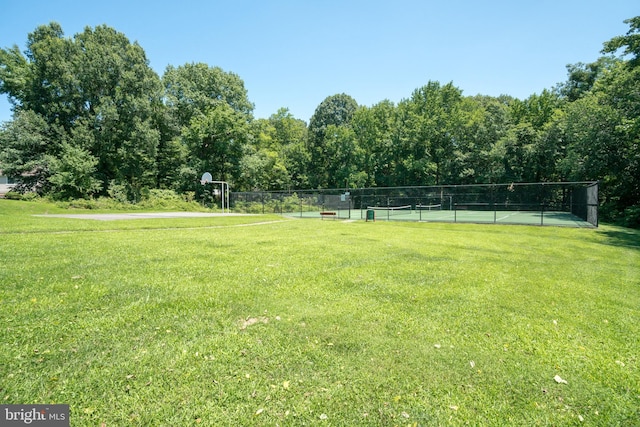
{"x":206,"y":177}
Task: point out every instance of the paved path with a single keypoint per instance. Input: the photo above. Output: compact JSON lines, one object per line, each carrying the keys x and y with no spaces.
{"x":140,"y":215}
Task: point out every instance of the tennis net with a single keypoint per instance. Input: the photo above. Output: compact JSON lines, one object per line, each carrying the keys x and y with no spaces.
{"x":392,"y":210}
{"x":437,"y":207}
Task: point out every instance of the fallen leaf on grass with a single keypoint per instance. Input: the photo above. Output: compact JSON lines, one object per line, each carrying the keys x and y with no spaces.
{"x":259,"y":411}
{"x":559,"y":380}
{"x":249,"y":321}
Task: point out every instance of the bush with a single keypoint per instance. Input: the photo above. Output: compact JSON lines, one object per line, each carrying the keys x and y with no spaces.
{"x":152,"y":200}
{"x":631,"y":217}
{"x":249,"y":207}
{"x":104,"y":203}
{"x":168,"y":199}
{"x":13,"y":195}
{"x":118,"y":192}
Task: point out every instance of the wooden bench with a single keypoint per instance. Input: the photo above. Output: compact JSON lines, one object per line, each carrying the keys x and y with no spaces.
{"x":324,"y":215}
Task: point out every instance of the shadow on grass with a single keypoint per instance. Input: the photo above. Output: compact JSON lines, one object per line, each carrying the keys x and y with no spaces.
{"x":619,"y":236}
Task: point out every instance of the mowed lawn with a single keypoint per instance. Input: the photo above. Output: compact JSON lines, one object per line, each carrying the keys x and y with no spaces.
{"x":261,"y":320}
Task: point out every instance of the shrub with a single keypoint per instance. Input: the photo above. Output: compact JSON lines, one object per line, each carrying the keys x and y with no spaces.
{"x":13,"y":195}
{"x":631,"y":217}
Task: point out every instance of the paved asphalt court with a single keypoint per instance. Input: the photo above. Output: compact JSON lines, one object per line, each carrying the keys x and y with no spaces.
{"x":141,"y":215}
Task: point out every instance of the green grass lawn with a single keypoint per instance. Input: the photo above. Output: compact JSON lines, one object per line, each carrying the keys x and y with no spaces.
{"x":261,"y":320}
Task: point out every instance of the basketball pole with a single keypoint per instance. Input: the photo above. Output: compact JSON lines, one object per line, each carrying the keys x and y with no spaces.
{"x":224,"y":186}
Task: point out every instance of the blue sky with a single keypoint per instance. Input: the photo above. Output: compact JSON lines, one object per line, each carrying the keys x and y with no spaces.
{"x":295,"y":53}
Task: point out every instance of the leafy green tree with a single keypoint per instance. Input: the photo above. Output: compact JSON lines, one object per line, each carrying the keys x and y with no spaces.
{"x":345,"y":168}
{"x":536,"y":110}
{"x":374,"y":129}
{"x":594,"y":149}
{"x":172,"y":156}
{"x":276,"y":157}
{"x":582,"y":77}
{"x":288,"y":129}
{"x":71,"y":173}
{"x":551,"y":149}
{"x":215,"y":141}
{"x":629,"y":43}
{"x":618,"y":92}
{"x":433,"y":120}
{"x":122,"y":97}
{"x":97,"y":81}
{"x":291,"y":138}
{"x":193,"y":89}
{"x":44,"y":78}
{"x":484,"y":122}
{"x":594,"y":134}
{"x":209,"y":112}
{"x":531,"y":145}
{"x":336,"y":111}
{"x":262,"y":166}
{"x":25,"y":144}
{"x":518,"y":153}
{"x":263,"y":169}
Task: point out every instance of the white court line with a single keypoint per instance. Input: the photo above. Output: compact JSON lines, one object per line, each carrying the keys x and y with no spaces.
{"x":506,"y":216}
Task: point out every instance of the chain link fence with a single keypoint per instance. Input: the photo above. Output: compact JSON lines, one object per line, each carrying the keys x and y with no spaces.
{"x":561,"y":203}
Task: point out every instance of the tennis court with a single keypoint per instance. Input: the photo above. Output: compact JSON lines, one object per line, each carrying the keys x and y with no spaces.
{"x":546,"y":204}
{"x":550,"y":218}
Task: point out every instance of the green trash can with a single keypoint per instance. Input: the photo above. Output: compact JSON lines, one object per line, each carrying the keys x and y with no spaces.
{"x":371,"y":215}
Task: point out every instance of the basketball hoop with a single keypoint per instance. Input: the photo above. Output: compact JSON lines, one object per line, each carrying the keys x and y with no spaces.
{"x":206,"y":177}
{"x":223,"y":192}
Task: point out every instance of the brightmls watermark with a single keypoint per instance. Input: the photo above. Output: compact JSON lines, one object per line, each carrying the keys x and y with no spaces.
{"x":34,"y":415}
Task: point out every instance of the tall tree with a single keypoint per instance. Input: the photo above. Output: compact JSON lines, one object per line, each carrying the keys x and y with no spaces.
{"x":193,"y":89}
{"x":336,"y":111}
{"x":291,"y":137}
{"x":25,"y":144}
{"x":374,"y":128}
{"x":96,"y":84}
{"x":346,"y":166}
{"x":630,"y":43}
{"x":433,"y":120}
{"x":262,"y":166}
{"x":620,"y":90}
{"x":485,"y":121}
{"x":209,"y":112}
{"x":582,"y":77}
{"x":215,"y":141}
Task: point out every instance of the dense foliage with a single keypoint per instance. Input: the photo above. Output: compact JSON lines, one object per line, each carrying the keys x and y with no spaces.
{"x":92,"y":118}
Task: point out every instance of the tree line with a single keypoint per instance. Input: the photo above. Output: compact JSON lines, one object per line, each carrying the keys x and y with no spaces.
{"x":91,"y":118}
